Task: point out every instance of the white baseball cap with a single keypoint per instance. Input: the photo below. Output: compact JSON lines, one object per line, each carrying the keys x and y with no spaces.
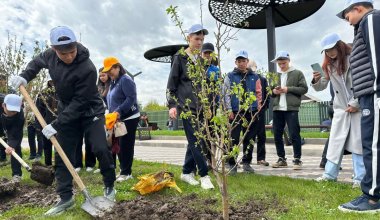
{"x":348,"y":4}
{"x":242,"y":54}
{"x":61,"y":31}
{"x":281,"y":55}
{"x":329,"y":41}
{"x":13,"y":102}
{"x":196,"y":28}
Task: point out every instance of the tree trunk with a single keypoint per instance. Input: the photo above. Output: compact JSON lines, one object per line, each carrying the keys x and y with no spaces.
{"x":224,"y":192}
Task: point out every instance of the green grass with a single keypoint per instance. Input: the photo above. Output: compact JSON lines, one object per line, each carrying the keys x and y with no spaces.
{"x":303,"y":199}
{"x":269,"y":133}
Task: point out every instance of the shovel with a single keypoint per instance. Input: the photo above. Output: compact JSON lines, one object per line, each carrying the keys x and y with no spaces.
{"x":97,"y":206}
{"x":38,"y":172}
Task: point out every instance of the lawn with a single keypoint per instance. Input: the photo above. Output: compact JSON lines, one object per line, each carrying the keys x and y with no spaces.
{"x":301,"y":199}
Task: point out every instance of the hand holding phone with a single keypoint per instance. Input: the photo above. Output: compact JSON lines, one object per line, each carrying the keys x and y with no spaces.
{"x":317,"y":68}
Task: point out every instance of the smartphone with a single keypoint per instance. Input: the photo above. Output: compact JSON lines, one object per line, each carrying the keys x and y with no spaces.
{"x":317,"y":68}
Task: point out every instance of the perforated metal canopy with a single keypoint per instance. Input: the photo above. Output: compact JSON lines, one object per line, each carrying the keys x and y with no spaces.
{"x":163,"y":54}
{"x":250,"y":14}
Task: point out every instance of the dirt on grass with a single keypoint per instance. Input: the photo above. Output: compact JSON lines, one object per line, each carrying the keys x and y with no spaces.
{"x":189,"y":207}
{"x":25,"y":195}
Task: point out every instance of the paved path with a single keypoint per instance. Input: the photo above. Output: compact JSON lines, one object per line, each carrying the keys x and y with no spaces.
{"x":173,"y":152}
{"x":310,"y":169}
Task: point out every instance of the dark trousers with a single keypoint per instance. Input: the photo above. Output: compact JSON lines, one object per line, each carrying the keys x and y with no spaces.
{"x":32,"y":133}
{"x":90,"y":159}
{"x":127,"y":147}
{"x":48,"y":149}
{"x":3,"y":155}
{"x":68,"y":136}
{"x":15,"y":165}
{"x":194,"y":157}
{"x":261,"y":136}
{"x":248,"y":139}
{"x":290,"y":118}
{"x":371,"y":146}
{"x":324,"y":153}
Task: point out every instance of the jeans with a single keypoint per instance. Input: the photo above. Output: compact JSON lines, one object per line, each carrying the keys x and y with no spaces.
{"x":194,"y":157}
{"x":290,"y":118}
{"x":332,"y":169}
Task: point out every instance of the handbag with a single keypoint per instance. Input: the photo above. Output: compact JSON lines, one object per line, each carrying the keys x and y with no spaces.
{"x":120,"y":129}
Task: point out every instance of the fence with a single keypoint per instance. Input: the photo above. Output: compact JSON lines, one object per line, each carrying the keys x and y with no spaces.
{"x":311,"y":113}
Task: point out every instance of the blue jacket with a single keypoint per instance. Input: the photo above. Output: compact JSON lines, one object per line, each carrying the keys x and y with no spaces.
{"x":250,"y":82}
{"x":122,"y":97}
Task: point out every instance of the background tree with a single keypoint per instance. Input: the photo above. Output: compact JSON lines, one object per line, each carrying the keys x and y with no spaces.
{"x":153,"y":105}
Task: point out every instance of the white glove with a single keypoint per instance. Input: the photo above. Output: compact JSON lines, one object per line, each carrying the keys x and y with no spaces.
{"x":16,"y":81}
{"x":48,"y":131}
{"x":378,"y":102}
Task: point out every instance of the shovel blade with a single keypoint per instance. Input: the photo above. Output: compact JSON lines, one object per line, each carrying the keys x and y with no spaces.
{"x":98,"y":206}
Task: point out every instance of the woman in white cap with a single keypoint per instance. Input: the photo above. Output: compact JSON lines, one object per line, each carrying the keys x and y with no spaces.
{"x":345,"y":128}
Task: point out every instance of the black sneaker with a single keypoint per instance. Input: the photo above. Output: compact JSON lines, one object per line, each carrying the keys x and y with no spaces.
{"x":247,"y":168}
{"x":297,"y":164}
{"x":231,"y":169}
{"x":281,"y":163}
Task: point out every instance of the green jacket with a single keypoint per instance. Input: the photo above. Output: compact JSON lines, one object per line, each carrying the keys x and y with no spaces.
{"x":297,"y":86}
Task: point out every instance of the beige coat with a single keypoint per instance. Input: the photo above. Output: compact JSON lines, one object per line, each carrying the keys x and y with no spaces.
{"x":345,"y":128}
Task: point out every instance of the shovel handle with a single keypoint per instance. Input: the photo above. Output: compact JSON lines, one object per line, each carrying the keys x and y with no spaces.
{"x":15,"y":155}
{"x":53,"y":139}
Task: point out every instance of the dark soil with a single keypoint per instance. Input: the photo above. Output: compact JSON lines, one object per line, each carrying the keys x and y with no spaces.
{"x":188,"y":207}
{"x":7,"y":187}
{"x":42,"y":174}
{"x":24,"y":195}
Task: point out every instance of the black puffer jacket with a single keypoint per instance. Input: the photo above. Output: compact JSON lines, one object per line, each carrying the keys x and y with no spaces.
{"x":75,"y":85}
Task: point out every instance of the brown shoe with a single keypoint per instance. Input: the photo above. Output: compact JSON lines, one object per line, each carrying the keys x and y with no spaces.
{"x":262,"y":162}
{"x":281,"y":163}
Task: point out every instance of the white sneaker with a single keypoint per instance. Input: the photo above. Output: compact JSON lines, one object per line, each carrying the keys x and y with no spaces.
{"x":89,"y":169}
{"x":122,"y":178}
{"x":16,"y":179}
{"x":77,"y":169}
{"x":206,"y":182}
{"x":97,"y":171}
{"x":324,"y":179}
{"x":356,"y":184}
{"x":189,"y":178}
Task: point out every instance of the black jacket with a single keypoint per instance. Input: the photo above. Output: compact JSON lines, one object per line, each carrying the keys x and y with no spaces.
{"x":365,"y":55}
{"x":12,"y":128}
{"x":179,"y":86}
{"x":75,"y":85}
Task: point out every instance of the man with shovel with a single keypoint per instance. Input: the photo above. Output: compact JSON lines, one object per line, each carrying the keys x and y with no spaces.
{"x":12,"y":121}
{"x":80,"y":109}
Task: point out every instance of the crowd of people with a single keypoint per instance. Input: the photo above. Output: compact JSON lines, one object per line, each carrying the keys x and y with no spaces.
{"x":78,"y":102}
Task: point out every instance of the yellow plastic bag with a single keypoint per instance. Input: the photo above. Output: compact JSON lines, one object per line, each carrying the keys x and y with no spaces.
{"x":154,"y":182}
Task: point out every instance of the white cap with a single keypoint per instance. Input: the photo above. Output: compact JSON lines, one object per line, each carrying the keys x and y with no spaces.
{"x":242,"y":54}
{"x":348,"y":4}
{"x":13,"y":102}
{"x":329,"y":41}
{"x":281,"y":55}
{"x":196,"y":28}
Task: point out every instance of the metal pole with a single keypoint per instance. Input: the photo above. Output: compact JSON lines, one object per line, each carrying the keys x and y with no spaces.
{"x":271,"y":39}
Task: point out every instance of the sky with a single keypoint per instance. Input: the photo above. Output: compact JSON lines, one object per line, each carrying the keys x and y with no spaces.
{"x":126,"y":29}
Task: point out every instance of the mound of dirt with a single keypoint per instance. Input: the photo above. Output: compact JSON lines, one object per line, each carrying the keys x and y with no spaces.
{"x":188,"y":207}
{"x":7,"y":187}
{"x":24,"y":195}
